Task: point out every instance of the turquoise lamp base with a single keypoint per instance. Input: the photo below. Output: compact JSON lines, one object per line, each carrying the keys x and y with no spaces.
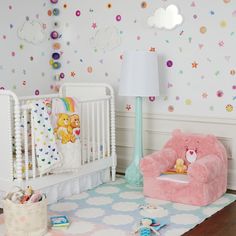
{"x":133,"y":175}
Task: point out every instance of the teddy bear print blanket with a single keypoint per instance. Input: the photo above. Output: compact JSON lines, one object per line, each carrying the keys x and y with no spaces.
{"x":57,"y":134}
{"x":66,"y":126}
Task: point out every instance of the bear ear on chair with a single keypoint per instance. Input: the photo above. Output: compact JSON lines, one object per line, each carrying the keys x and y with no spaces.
{"x":176,"y":132}
{"x":211,"y":138}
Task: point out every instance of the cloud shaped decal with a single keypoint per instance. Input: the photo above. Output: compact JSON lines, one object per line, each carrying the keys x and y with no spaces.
{"x":167,"y":18}
{"x":31,"y":32}
{"x":106,"y":39}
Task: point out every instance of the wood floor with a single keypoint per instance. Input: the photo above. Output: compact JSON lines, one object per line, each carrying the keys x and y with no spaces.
{"x":223,"y":223}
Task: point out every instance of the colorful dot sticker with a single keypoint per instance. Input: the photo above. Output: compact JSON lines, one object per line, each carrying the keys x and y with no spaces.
{"x":109,"y":5}
{"x":203,"y":29}
{"x":36,"y":92}
{"x":90,"y":69}
{"x":170,"y":108}
{"x":219,"y":93}
{"x":229,"y":108}
{"x":169,"y":63}
{"x":188,"y":102}
{"x":77,"y":13}
{"x":54,"y":34}
{"x":152,"y":98}
{"x":118,"y":18}
{"x":143,"y":4}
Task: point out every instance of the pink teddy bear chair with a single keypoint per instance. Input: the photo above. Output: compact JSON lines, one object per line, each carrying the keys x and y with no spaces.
{"x":205,"y":160}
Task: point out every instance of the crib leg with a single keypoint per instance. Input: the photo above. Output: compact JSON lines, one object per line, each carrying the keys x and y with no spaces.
{"x":113,"y":173}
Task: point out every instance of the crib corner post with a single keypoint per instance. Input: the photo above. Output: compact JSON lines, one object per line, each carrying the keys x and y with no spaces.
{"x":113,"y":167}
{"x":18,"y":140}
{"x":113,"y":138}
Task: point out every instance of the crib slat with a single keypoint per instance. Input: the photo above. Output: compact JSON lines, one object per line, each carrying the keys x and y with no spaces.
{"x":103,"y":130}
{"x":98,"y":131}
{"x":93,"y":131}
{"x":82,"y":129}
{"x":108,"y":128}
{"x":33,"y":147}
{"x":88,"y":133}
{"x":26,"y":144}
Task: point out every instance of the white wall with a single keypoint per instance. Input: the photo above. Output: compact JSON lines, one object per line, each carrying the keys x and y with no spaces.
{"x":24,"y":65}
{"x":185,"y":90}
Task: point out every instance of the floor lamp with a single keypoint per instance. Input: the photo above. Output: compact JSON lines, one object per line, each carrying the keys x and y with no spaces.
{"x":139,"y":78}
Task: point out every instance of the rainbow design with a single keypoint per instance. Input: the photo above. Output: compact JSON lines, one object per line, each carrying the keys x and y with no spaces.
{"x":69,"y":104}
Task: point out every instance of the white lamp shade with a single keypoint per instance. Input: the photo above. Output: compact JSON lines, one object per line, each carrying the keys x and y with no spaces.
{"x":139,"y":75}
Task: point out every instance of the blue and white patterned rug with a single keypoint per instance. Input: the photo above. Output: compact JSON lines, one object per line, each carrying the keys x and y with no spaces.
{"x":114,"y":209}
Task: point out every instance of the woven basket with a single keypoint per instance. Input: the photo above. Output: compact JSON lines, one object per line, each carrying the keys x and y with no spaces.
{"x":25,"y":219}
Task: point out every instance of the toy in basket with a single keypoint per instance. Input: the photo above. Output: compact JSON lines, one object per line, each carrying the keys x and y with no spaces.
{"x":25,"y":213}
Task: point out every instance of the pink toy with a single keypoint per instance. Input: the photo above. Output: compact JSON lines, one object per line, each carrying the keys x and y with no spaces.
{"x":206,"y":179}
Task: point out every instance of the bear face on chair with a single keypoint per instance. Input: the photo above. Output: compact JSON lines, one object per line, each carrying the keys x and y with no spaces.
{"x":191,"y":147}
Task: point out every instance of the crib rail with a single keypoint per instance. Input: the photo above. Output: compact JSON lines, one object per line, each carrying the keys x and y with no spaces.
{"x":95,"y":134}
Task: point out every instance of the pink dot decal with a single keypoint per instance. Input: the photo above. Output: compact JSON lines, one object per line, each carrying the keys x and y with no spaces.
{"x":169,"y":63}
{"x":36,"y":92}
{"x":77,"y":13}
{"x":219,"y":93}
{"x":118,"y":18}
{"x":152,"y":99}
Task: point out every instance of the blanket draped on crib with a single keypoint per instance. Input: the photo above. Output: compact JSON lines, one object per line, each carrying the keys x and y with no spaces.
{"x":45,"y":143}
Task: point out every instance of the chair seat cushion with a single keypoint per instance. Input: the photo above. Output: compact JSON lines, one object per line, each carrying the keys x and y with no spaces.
{"x":180,"y":178}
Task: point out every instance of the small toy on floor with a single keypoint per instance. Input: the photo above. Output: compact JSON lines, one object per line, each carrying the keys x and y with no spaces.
{"x":148,"y":226}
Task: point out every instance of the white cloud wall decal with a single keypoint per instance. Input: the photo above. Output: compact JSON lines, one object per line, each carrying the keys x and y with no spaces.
{"x":167,"y":18}
{"x":106,"y":39}
{"x":31,"y":32}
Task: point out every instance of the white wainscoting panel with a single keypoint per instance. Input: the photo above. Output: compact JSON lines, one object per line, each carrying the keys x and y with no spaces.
{"x":157,"y":130}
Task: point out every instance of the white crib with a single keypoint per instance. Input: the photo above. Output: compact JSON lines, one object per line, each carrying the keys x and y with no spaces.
{"x":98,"y":152}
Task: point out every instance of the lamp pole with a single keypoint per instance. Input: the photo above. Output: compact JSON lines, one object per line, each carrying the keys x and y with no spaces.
{"x":132,"y":173}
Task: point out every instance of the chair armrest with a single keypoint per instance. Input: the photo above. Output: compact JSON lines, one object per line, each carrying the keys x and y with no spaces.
{"x":157,"y":162}
{"x":206,"y":169}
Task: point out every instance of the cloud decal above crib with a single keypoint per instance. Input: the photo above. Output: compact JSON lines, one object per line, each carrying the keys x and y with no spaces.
{"x":31,"y":32}
{"x":167,"y":18}
{"x":106,"y":39}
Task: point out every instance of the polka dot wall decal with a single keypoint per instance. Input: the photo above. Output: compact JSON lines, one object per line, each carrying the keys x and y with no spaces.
{"x":128,"y":107}
{"x":203,"y":29}
{"x":152,"y":99}
{"x":170,"y":108}
{"x":232,"y":72}
{"x":188,"y":102}
{"x":229,"y":108}
{"x":234,"y":87}
{"x":77,"y":13}
{"x":65,"y":5}
{"x":144,"y":4}
{"x":118,"y":18}
{"x":221,"y":43}
{"x":49,"y":12}
{"x":223,"y":24}
{"x":109,"y":5}
{"x":36,"y":92}
{"x":24,"y":82}
{"x":204,"y":95}
{"x":226,"y":1}
{"x":13,"y":54}
{"x":219,"y":93}
{"x":195,"y":16}
{"x":90,"y":69}
{"x":169,"y":63}
{"x":31,"y":58}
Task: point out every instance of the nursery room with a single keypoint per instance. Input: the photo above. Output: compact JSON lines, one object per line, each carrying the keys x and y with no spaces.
{"x":118,"y":117}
